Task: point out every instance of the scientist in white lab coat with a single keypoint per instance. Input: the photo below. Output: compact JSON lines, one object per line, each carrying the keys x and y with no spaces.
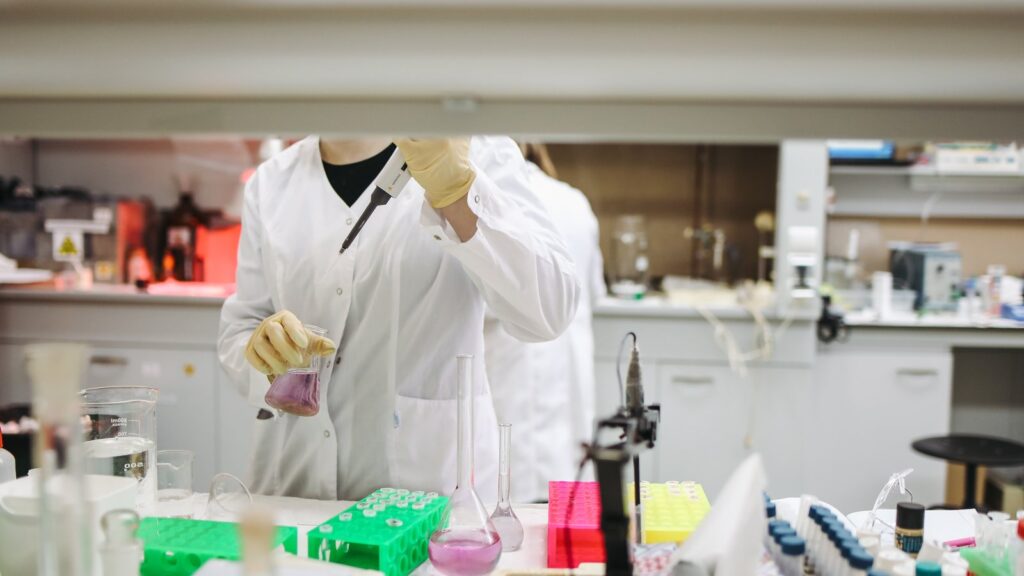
{"x":399,"y":305}
{"x":546,"y":390}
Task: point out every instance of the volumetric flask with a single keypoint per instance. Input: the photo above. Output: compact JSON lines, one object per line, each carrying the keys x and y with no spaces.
{"x":298,"y":390}
{"x":229,"y":497}
{"x":466,"y":542}
{"x":504,"y":518}
{"x":120,"y":436}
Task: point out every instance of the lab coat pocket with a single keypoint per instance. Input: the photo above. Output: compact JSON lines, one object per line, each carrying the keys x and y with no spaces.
{"x":425,"y":445}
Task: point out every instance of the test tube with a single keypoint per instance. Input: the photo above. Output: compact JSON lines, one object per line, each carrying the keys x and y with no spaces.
{"x":793,"y":548}
{"x":860,"y":562}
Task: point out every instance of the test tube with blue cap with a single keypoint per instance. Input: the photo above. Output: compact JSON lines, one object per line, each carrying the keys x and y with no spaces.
{"x":792,"y":560}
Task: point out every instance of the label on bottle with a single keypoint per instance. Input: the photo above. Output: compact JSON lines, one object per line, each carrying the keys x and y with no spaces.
{"x":910,"y":541}
{"x":179,"y":236}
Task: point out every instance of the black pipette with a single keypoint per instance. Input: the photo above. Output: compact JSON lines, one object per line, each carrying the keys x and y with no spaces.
{"x":389,"y":184}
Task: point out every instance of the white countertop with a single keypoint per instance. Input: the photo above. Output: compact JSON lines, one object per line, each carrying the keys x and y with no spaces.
{"x":202,"y":295}
{"x":867,"y":318}
{"x":661,"y":307}
{"x":307,"y":514}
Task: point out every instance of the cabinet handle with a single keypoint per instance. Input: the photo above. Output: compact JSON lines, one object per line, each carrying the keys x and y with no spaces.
{"x":917,"y":378}
{"x":917,"y":372}
{"x":108,"y":360}
{"x":693,"y":380}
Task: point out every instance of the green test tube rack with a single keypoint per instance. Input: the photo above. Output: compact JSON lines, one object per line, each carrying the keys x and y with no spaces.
{"x":387,"y":531}
{"x":180,"y":546}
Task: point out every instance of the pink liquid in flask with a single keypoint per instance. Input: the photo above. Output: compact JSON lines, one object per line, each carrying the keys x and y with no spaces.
{"x":475,"y":554}
{"x":296,"y":392}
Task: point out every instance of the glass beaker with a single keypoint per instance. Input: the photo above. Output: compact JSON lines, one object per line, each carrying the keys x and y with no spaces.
{"x":630,"y":266}
{"x":298,"y":390}
{"x":174,"y":483}
{"x":504,"y":517}
{"x":465,"y":543}
{"x":120,"y":436}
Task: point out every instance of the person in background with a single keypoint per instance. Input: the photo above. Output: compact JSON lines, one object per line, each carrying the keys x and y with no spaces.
{"x":397,"y":306}
{"x":546,"y":390}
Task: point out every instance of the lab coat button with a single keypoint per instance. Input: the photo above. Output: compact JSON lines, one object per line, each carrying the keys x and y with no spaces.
{"x":327,"y":433}
{"x":337,"y":360}
{"x":476,"y":198}
{"x":398,"y":420}
{"x":339,"y":291}
{"x":348,"y":221}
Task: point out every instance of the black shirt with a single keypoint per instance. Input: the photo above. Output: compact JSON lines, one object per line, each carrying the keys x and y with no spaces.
{"x":351,"y":180}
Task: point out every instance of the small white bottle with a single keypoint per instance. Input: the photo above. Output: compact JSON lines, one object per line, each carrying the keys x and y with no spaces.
{"x":6,"y":463}
{"x":121,"y":552}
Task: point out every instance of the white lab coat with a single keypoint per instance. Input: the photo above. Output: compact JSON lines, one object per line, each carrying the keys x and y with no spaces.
{"x":400,"y":303}
{"x":546,"y":390}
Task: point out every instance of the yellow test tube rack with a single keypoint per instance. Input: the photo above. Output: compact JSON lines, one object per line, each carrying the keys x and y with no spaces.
{"x":671,"y":510}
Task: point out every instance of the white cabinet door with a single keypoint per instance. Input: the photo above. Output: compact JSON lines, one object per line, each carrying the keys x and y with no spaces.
{"x":780,"y":402}
{"x":15,"y":386}
{"x":187,"y":411}
{"x":713,"y":419}
{"x":868,"y":406}
{"x":704,"y":424}
{"x":235,"y":427}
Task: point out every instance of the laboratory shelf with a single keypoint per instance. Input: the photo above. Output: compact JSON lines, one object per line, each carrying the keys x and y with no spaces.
{"x":912,"y":191}
{"x":387,"y":531}
{"x":180,"y":546}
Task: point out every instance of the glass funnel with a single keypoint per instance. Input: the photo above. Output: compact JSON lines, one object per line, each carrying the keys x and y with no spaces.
{"x":504,"y":518}
{"x":298,"y":390}
{"x":465,"y":543}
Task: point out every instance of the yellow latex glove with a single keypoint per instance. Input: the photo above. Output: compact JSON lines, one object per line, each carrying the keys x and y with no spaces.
{"x":441,"y":166}
{"x":281,"y":342}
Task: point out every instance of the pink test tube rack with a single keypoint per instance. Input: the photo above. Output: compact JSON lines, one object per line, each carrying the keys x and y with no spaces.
{"x":582,"y":527}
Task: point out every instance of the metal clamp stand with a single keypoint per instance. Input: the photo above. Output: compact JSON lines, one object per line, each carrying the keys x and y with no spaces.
{"x":638,"y":433}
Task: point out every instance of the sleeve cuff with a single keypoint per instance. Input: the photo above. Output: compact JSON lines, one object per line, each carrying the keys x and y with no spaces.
{"x":437,"y":227}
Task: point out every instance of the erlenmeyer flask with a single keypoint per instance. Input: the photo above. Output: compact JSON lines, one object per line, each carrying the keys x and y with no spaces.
{"x":504,"y":518}
{"x":465,"y":543}
{"x":298,"y":390}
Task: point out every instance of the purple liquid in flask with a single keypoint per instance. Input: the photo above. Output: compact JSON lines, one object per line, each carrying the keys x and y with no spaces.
{"x":298,"y":390}
{"x":295,"y":392}
{"x":465,"y":543}
{"x":470,"y":555}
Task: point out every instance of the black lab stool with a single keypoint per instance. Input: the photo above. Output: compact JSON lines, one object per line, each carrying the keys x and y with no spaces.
{"x":972,"y":451}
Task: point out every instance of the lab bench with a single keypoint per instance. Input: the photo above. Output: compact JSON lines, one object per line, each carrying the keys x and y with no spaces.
{"x":834,"y":420}
{"x":168,"y":342}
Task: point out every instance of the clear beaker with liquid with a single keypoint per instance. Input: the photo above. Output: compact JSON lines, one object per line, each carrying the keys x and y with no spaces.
{"x":120,"y":436}
{"x":466,"y":542}
{"x":298,"y":390}
{"x":630,"y":265}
